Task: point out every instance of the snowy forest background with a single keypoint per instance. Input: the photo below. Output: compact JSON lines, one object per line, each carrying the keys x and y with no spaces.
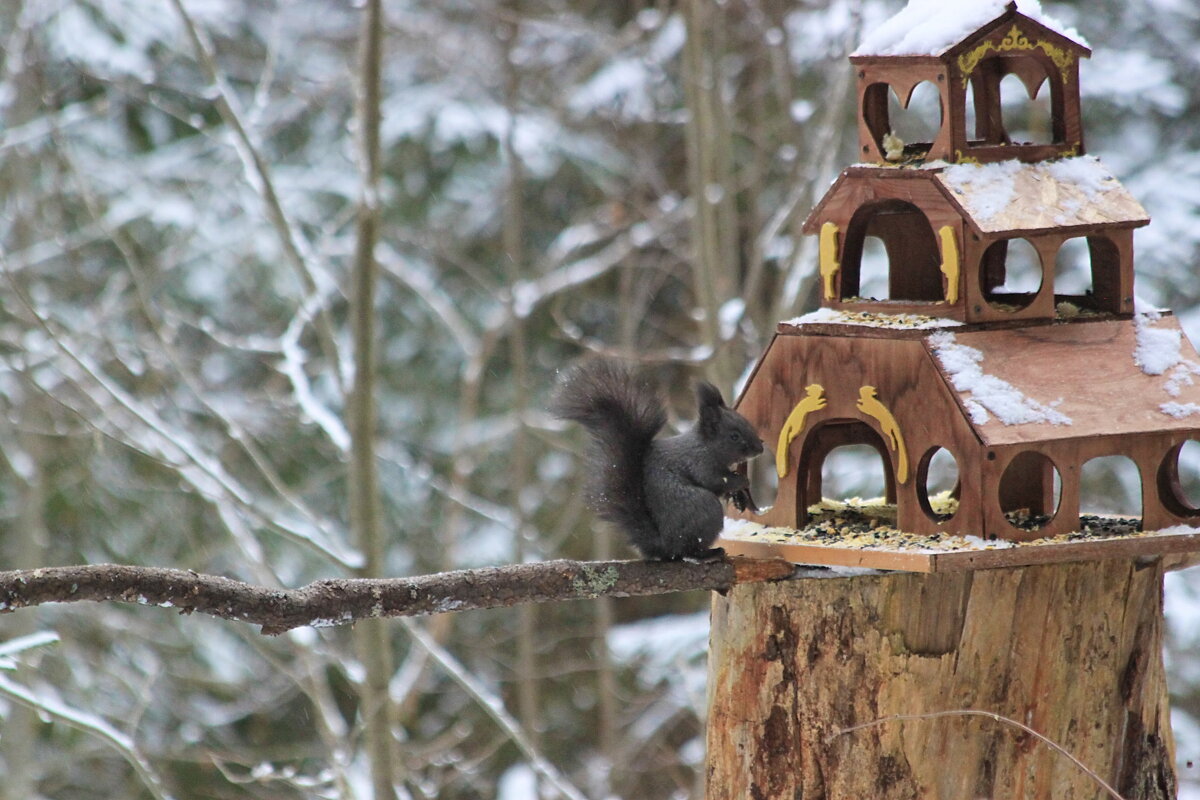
{"x":181,"y":190}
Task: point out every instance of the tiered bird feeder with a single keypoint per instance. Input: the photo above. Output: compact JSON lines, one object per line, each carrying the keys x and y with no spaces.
{"x":1021,"y":383}
{"x":1020,"y":387}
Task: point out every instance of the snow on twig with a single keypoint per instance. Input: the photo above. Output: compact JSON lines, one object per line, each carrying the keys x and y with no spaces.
{"x":258,"y":175}
{"x":293,"y":368}
{"x":175,"y":449}
{"x":91,"y":725}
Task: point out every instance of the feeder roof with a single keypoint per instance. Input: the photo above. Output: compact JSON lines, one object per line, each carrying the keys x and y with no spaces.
{"x":1010,"y":195}
{"x":932,"y":27}
{"x":1072,"y":381}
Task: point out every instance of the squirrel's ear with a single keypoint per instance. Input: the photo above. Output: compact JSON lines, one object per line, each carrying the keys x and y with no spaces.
{"x":710,"y":402}
{"x":708,"y":395}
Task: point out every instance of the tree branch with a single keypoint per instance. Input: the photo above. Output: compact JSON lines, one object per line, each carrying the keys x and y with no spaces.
{"x":344,"y":601}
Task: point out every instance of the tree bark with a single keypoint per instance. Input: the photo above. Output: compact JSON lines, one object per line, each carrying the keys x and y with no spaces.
{"x":372,"y":638}
{"x":710,"y":178}
{"x":1074,"y":651}
{"x":345,"y":601}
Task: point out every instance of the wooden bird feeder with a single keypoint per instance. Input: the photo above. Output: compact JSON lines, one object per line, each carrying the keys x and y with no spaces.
{"x":911,"y":49}
{"x":1022,"y":388}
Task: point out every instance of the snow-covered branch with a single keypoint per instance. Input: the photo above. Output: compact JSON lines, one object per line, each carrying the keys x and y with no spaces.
{"x":343,"y":601}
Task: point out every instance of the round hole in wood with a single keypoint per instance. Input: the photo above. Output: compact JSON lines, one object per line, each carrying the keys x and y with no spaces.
{"x":938,"y":484}
{"x":1179,"y":479}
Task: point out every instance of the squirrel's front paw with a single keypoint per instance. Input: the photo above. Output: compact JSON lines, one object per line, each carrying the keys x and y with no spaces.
{"x":742,"y":500}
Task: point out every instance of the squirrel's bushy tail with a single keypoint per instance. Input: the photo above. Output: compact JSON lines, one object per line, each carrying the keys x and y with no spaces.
{"x":622,"y":413}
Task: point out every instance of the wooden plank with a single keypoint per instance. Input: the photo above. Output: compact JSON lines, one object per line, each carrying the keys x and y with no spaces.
{"x":829,"y":556}
{"x":1027,"y":554}
{"x":886,"y":328}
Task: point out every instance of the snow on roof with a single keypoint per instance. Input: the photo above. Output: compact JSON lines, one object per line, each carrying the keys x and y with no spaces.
{"x":931,"y":27}
{"x":1010,"y":195}
{"x":963,"y":365}
{"x":1160,"y":351}
{"x":1084,"y":379}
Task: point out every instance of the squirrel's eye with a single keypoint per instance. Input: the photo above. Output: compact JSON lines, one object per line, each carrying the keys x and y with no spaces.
{"x":735,"y":436}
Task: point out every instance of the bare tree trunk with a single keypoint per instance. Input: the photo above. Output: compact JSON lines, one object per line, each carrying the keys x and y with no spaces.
{"x":27,"y":552}
{"x":26,"y":546}
{"x":514,"y":252}
{"x":1074,"y":651}
{"x":373,"y":641}
{"x":711,"y":179}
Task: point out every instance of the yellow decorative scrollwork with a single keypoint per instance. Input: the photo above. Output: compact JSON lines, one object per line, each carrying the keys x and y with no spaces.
{"x":950,"y":262}
{"x":1016,"y":40}
{"x":869,"y":404}
{"x":828,"y":257}
{"x":814,"y":400}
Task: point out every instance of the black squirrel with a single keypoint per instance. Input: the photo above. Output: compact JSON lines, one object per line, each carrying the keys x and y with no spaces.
{"x":665,"y":493}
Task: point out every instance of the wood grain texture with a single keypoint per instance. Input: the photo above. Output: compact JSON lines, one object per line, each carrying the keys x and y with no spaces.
{"x":1089,"y":367}
{"x":905,"y":381}
{"x":1073,"y":651}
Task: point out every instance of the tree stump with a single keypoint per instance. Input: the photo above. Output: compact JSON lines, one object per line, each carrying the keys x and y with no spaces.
{"x":1074,"y":651}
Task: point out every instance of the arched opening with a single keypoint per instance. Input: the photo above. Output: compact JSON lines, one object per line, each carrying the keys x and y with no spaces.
{"x":938,"y":484}
{"x":843,"y":459}
{"x":1030,"y":490}
{"x":913,"y":259}
{"x":1010,"y":274}
{"x":1073,"y":269}
{"x":1087,"y":273}
{"x":1110,"y":485}
{"x":1009,"y":103}
{"x":921,"y":121}
{"x":873,"y":270}
{"x":1179,"y":479}
{"x":971,"y":128}
{"x":1025,"y":111}
{"x":853,"y":470}
{"x":903,"y":131}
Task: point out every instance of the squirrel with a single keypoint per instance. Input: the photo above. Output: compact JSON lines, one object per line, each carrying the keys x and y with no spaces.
{"x":665,"y":493}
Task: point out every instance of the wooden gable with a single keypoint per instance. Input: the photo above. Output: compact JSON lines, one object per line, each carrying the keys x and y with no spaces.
{"x":927,"y":42}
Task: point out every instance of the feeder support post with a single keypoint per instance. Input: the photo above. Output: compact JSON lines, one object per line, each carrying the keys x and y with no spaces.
{"x":1073,"y":651}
